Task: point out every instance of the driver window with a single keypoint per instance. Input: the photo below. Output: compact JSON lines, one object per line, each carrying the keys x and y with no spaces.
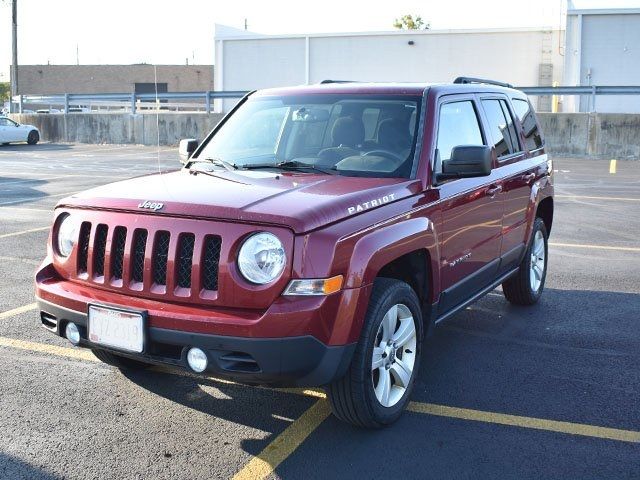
{"x":5,"y":122}
{"x":457,"y":125}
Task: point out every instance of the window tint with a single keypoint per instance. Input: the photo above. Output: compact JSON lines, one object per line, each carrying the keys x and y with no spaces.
{"x":532,"y":137}
{"x":457,"y":125}
{"x":501,"y":126}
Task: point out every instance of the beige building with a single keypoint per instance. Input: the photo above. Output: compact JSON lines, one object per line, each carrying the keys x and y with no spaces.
{"x":60,"y":79}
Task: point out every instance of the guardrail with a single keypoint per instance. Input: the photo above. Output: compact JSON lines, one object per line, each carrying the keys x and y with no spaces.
{"x":152,"y":102}
{"x":126,"y":101}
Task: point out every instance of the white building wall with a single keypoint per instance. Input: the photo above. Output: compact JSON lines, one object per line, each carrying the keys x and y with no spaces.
{"x":250,"y":62}
{"x":603,"y":48}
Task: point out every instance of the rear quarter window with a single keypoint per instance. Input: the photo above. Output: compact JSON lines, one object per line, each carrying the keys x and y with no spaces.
{"x":527,"y":117}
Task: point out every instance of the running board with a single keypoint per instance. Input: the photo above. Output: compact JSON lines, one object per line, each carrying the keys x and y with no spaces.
{"x":478,"y":295}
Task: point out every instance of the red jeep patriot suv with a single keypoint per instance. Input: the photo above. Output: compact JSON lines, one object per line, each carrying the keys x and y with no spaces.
{"x":313,"y":238}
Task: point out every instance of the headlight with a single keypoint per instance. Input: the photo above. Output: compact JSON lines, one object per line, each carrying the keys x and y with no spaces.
{"x":67,"y":235}
{"x":261,"y":258}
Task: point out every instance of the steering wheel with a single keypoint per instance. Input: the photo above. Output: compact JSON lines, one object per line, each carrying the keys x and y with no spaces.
{"x":384,"y":153}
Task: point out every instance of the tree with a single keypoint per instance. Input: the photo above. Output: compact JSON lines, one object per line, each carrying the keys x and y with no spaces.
{"x":5,"y":88}
{"x":409,"y":22}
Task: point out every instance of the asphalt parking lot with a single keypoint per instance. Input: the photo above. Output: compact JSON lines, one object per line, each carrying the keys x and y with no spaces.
{"x":550,"y":391}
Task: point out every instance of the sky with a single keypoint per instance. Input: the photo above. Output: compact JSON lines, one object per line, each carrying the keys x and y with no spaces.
{"x":136,"y":31}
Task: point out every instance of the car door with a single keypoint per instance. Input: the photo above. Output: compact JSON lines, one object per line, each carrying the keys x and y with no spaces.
{"x":517,"y":177}
{"x":4,"y":130}
{"x":471,"y":208}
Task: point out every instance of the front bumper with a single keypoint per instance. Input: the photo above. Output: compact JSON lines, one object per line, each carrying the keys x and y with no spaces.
{"x":289,"y":361}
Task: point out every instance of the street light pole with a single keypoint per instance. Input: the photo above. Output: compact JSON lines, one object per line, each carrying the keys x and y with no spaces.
{"x":14,"y":47}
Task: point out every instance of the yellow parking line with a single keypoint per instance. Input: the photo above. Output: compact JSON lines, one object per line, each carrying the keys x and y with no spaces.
{"x":285,"y":444}
{"x":592,"y":197}
{"x":612,"y":166}
{"x":77,"y":353}
{"x":15,"y":234}
{"x":526,"y":422}
{"x":18,"y":311}
{"x":600,"y":247}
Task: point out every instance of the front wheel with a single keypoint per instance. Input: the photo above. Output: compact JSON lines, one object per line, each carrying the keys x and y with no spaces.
{"x":33,"y":137}
{"x":376,"y":388}
{"x":526,"y":286}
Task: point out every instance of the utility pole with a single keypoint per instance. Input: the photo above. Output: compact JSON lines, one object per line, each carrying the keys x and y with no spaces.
{"x":14,"y":46}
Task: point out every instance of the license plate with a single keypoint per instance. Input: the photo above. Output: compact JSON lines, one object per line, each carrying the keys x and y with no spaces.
{"x":116,"y":328}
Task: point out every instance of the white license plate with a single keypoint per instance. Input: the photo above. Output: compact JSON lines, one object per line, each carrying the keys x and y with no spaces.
{"x":116,"y":328}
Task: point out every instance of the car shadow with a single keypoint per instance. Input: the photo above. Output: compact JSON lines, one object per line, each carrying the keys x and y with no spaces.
{"x":20,"y":190}
{"x":39,"y":147}
{"x":480,"y":359}
{"x":12,"y":467}
{"x":265,"y":409}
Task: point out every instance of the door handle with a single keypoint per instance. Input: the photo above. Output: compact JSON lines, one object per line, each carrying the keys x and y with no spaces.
{"x":493,"y":190}
{"x":529,"y":177}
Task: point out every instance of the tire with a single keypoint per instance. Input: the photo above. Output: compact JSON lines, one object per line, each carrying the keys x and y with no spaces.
{"x":33,"y":137}
{"x":526,"y":286}
{"x":353,"y":397}
{"x":123,"y":363}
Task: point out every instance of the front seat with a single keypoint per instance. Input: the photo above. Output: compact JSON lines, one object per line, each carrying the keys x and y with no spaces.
{"x":393,"y":135}
{"x":347,"y":136}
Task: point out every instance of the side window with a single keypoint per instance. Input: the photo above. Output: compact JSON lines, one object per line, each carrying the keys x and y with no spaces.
{"x":4,"y":122}
{"x":532,"y":137}
{"x":457,"y":125}
{"x":501,"y":126}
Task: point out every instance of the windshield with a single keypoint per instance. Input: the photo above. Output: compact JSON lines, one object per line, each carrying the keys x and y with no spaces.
{"x":353,"y":135}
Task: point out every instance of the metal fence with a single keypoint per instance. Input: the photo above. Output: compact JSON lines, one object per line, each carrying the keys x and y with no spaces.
{"x":130,"y":102}
{"x":202,"y":101}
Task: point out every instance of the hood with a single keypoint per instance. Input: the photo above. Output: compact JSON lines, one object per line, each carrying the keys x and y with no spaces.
{"x":300,"y":201}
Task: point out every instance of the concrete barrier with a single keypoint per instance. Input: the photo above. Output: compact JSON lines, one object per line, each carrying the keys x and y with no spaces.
{"x":119,"y":128}
{"x":567,"y":134}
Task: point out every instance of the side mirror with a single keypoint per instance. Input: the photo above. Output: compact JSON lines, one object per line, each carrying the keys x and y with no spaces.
{"x":186,"y":148}
{"x":467,"y":161}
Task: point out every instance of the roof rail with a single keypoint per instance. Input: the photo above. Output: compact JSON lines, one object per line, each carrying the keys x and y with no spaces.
{"x":323,"y":82}
{"x":466,"y":80}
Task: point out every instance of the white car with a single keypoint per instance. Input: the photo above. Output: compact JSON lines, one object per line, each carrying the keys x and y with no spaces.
{"x":11,"y":131}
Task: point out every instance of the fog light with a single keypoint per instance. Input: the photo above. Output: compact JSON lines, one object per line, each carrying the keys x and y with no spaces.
{"x":72,"y":333}
{"x":197,"y":360}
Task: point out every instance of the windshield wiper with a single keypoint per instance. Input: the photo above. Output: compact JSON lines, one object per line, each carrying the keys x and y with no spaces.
{"x":218,"y":162}
{"x":290,"y":165}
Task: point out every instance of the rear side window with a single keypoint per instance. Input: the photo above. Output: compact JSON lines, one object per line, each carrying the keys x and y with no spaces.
{"x":502,"y":127}
{"x":457,"y":125}
{"x":532,"y":137}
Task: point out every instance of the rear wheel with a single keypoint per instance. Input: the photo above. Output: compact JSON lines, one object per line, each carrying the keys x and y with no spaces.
{"x":123,"y":363}
{"x":33,"y":137}
{"x":525,"y":287}
{"x":376,"y":388}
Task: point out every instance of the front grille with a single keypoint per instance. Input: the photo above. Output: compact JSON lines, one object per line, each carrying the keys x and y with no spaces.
{"x":210,"y":262}
{"x":83,"y":247}
{"x":185,"y":258}
{"x":117,"y":259}
{"x":100,"y":245}
{"x":160,"y":257}
{"x":149,"y":262}
{"x":137,"y":259}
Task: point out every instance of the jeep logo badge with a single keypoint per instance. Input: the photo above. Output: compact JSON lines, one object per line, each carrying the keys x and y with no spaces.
{"x":155,"y":206}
